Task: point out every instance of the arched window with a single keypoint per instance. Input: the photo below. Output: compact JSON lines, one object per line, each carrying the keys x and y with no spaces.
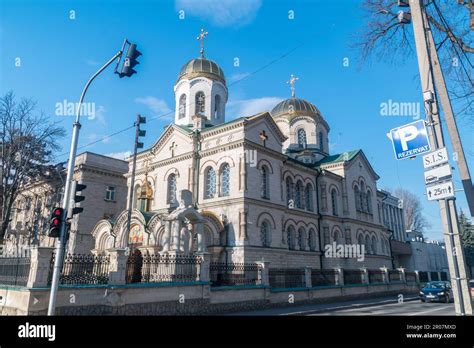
{"x":172,"y":188}
{"x":321,"y":141}
{"x":308,"y":197}
{"x":368,"y":246}
{"x":291,"y":237}
{"x":298,"y":194}
{"x":182,"y":106}
{"x":312,"y":239}
{"x":357,"y":198}
{"x":338,"y":237}
{"x":217,"y":105}
{"x":360,"y":240}
{"x":334,"y":202}
{"x":382,"y":244}
{"x":289,"y":192}
{"x":200,"y":103}
{"x":368,"y":198}
{"x":363,"y":200}
{"x":302,"y":238}
{"x":225,"y":180}
{"x":374,"y":245}
{"x":264,"y":183}
{"x":301,"y":137}
{"x":265,"y":234}
{"x":210,"y":183}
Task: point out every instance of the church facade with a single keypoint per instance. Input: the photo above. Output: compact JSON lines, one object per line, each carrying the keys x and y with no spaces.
{"x":259,"y":187}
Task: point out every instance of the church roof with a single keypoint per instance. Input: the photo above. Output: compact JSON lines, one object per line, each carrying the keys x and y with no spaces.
{"x":295,"y":106}
{"x":202,"y":67}
{"x":341,"y":157}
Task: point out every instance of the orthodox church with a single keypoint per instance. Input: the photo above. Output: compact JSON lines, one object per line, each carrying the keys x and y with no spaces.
{"x":259,"y":187}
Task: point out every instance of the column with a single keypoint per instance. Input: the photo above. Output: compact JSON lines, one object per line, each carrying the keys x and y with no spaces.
{"x":199,"y":228}
{"x":365,"y":275}
{"x":167,"y":236}
{"x":263,"y":268}
{"x":117,"y":266}
{"x":204,"y":267}
{"x":384,"y":270}
{"x":339,"y":276}
{"x":175,"y":226}
{"x":39,"y":266}
{"x":307,"y":277}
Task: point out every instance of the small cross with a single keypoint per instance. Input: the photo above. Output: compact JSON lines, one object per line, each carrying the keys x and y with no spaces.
{"x":201,"y":37}
{"x":263,"y":136}
{"x":172,"y":147}
{"x":292,"y":81}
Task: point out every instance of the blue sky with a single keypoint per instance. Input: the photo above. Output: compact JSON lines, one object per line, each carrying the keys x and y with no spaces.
{"x":58,"y":54}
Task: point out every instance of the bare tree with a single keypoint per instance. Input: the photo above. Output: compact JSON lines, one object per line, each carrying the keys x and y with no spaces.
{"x":389,"y":39}
{"x":412,"y":210}
{"x":27,"y":141}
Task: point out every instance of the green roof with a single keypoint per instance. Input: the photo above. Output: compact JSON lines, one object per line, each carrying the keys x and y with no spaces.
{"x":341,"y":157}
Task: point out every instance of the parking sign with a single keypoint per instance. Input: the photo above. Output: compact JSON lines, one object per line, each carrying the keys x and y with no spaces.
{"x":410,"y":140}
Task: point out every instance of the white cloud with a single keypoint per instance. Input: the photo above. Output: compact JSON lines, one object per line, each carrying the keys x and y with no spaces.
{"x":119,"y":155}
{"x":92,"y":62}
{"x":221,"y":13}
{"x":100,"y":114}
{"x":158,"y":106}
{"x":249,"y":107}
{"x":237,"y":77}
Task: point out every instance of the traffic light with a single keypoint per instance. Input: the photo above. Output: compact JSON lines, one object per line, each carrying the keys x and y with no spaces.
{"x":130,"y":61}
{"x":55,"y":222}
{"x":140,"y":132}
{"x":77,"y":197}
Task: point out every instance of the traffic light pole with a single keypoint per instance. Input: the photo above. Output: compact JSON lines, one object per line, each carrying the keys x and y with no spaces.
{"x":59,"y":252}
{"x":454,"y":249}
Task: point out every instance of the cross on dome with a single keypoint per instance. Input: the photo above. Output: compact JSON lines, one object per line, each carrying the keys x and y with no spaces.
{"x":292,"y":81}
{"x":201,"y":37}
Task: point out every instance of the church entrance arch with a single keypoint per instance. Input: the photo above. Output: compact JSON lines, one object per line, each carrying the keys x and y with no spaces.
{"x":134,"y":266}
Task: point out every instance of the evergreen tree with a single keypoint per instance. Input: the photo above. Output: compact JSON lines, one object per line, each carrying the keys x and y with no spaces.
{"x":467,"y":236}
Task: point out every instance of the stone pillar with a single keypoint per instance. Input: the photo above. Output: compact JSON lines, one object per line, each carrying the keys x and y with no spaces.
{"x":307,"y":277}
{"x":386,"y":279}
{"x":117,"y":266}
{"x":39,"y":266}
{"x":365,"y":275}
{"x":429,"y":275}
{"x":199,"y":230}
{"x":263,"y":277}
{"x":167,"y":236}
{"x":175,"y":229}
{"x":439,"y":275}
{"x":417,"y":277}
{"x":339,"y":276}
{"x":204,"y":269}
{"x":403,"y":277}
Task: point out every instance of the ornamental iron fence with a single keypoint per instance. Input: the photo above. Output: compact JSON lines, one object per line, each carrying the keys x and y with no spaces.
{"x":434,"y":276}
{"x":375,"y":276}
{"x":353,"y":276}
{"x":323,"y":277}
{"x":410,"y":277}
{"x":14,"y":270}
{"x":81,"y":269}
{"x":423,"y":277}
{"x":285,"y":278}
{"x":232,"y":274}
{"x":394,"y":275}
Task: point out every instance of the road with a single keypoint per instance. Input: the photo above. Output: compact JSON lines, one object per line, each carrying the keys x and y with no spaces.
{"x":410,"y":306}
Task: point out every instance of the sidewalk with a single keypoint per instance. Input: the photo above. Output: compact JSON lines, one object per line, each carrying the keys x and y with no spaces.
{"x":326,"y":307}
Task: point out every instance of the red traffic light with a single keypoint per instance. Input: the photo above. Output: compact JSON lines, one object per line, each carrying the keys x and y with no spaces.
{"x":56,"y":222}
{"x":57,"y":212}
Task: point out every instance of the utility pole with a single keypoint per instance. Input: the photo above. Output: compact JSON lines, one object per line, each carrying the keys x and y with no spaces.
{"x":138,"y":145}
{"x":454,"y":249}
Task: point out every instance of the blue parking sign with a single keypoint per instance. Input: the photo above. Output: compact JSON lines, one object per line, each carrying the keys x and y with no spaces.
{"x":410,"y":140}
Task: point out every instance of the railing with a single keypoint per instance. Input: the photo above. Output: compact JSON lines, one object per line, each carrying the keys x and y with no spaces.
{"x":423,"y":277}
{"x":444,"y":276}
{"x":352,"y":276}
{"x":434,"y":276}
{"x":287,"y":278}
{"x":14,"y":270}
{"x":82,"y":269}
{"x":394,"y":276}
{"x":410,"y":277}
{"x":323,"y":277}
{"x":162,"y":268}
{"x":375,"y":276}
{"x":230,"y":274}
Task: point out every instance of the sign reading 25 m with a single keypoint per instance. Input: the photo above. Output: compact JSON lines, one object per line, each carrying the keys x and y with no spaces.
{"x":410,"y":140}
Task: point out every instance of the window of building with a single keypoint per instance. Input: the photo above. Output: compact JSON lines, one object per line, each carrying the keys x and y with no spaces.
{"x":200,"y":103}
{"x":291,"y":238}
{"x":302,"y":137}
{"x":334,"y":202}
{"x":264,"y":183}
{"x":308,"y":195}
{"x":326,"y":236}
{"x":182,"y":106}
{"x":312,"y":239}
{"x":265,"y":234}
{"x":298,"y":194}
{"x":374,"y":245}
{"x":368,"y":246}
{"x":368,"y":198}
{"x":110,"y":193}
{"x":357,"y":198}
{"x":301,"y":238}
{"x":347,"y":234}
{"x":289,"y":192}
{"x":172,"y":188}
{"x":217,"y":105}
{"x":321,"y":141}
{"x":225,"y":180}
{"x":210,"y":183}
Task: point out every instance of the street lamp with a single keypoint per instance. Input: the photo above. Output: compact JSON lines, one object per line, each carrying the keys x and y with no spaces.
{"x":126,"y":70}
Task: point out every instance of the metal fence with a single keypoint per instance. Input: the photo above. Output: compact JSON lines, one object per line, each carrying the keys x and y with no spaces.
{"x":410,"y":277}
{"x":444,"y":276}
{"x":394,"y":275}
{"x":323,"y":277}
{"x":375,"y":276}
{"x":287,"y":278}
{"x":157,"y":268}
{"x":423,"y":277}
{"x":82,"y":269}
{"x":352,"y":276}
{"x":14,"y":270}
{"x":227,"y":274}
